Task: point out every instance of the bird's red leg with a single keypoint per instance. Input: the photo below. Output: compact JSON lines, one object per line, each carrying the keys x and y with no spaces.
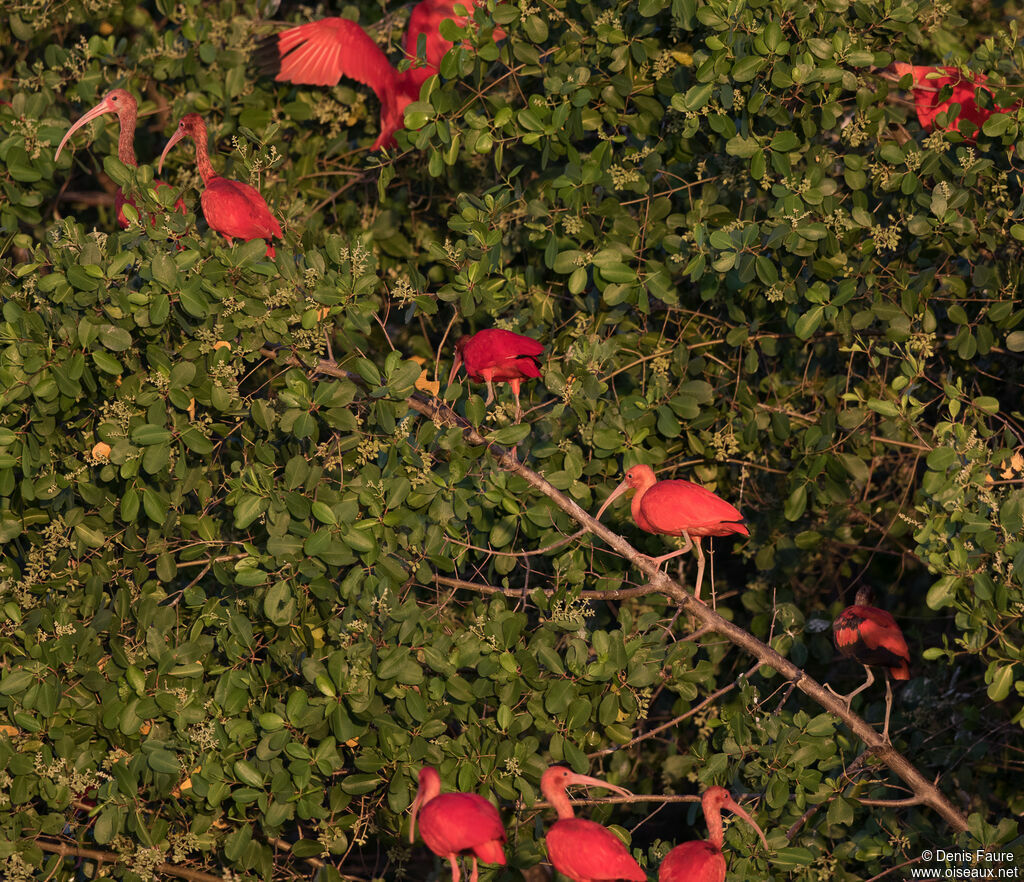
{"x":514,"y":383}
{"x":488,"y":375}
{"x":700,"y":568}
{"x":859,"y":689}
{"x":476,"y":871}
{"x":454,"y":859}
{"x":888,"y":705}
{"x":658,"y":561}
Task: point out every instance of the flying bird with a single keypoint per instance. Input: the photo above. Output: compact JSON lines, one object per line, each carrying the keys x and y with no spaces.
{"x":677,"y":508}
{"x":454,"y":824}
{"x":232,"y":208}
{"x":122,"y":104}
{"x":702,"y":860}
{"x":321,"y":52}
{"x":497,"y":356}
{"x":928,"y":83}
{"x":580,"y":849}
{"x":871,"y":636}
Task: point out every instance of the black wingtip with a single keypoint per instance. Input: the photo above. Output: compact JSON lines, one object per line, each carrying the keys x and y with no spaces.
{"x":266,"y":57}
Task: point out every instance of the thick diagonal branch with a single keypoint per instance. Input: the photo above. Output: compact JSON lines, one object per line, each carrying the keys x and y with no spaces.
{"x":927,"y":792}
{"x":923,"y":789}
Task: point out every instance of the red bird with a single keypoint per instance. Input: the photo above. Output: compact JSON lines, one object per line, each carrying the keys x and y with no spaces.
{"x":321,"y":52}
{"x":232,"y":208}
{"x":929,"y":82}
{"x":702,"y":860}
{"x":454,"y":824}
{"x":580,"y":849}
{"x":677,"y":508}
{"x":126,"y":107}
{"x":496,"y":356}
{"x":871,"y":636}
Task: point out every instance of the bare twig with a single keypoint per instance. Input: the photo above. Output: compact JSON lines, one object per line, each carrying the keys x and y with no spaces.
{"x":110,"y":857}
{"x":714,"y":696}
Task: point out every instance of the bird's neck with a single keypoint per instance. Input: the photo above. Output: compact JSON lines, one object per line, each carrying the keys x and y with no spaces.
{"x":203,"y":163}
{"x":559,"y":800}
{"x":716,"y":832}
{"x":126,"y":140}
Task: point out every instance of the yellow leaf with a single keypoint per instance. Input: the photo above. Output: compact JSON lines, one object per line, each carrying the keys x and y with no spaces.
{"x":425,"y":385}
{"x":101,"y":450}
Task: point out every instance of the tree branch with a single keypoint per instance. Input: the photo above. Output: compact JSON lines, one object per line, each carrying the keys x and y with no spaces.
{"x":927,"y":792}
{"x":481,"y":588}
{"x":714,"y":696}
{"x":110,"y":857}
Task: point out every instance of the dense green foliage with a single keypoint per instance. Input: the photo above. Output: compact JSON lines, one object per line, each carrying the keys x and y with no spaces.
{"x":225,"y":611}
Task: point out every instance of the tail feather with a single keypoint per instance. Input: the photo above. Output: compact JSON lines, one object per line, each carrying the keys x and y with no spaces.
{"x":900,"y":672}
{"x":267,"y":56}
{"x":490,"y":852}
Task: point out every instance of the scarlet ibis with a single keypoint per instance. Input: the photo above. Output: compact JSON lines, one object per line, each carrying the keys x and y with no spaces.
{"x":494,"y":355}
{"x":232,"y":208}
{"x":321,"y":52}
{"x":929,"y":82}
{"x":871,"y":636}
{"x":702,"y":860}
{"x":580,"y":849}
{"x":124,"y":105}
{"x":454,"y":824}
{"x":677,"y":508}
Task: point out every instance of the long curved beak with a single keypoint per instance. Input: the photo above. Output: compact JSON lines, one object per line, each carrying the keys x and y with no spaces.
{"x":175,"y":138}
{"x":587,"y":781}
{"x":615,"y":494}
{"x":736,"y":810}
{"x":86,"y":117}
{"x":456,"y":364}
{"x":415,"y":809}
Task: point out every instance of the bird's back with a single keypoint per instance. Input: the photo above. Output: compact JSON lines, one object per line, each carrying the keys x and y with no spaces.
{"x":587,"y":852}
{"x":507,"y":354}
{"x":453,"y":823}
{"x":697,"y":861}
{"x":236,"y":209}
{"x":678,"y":506}
{"x":871,"y":636}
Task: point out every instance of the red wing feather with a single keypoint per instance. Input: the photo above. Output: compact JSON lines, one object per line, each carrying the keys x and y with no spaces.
{"x":453,"y":823}
{"x":676,"y":507}
{"x":508,"y":354}
{"x":929,"y":82}
{"x":871,"y":636}
{"x":697,"y":860}
{"x":583,"y":849}
{"x":322,"y":52}
{"x":235,"y":209}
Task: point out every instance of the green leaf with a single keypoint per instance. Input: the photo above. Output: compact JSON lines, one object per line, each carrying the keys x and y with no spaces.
{"x":1002,"y":680}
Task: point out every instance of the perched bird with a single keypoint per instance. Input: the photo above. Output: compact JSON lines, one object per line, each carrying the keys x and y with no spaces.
{"x":497,"y":356}
{"x":124,"y":105}
{"x":580,"y":849}
{"x":453,"y":824}
{"x":232,"y":208}
{"x":677,"y":508}
{"x":702,"y":859}
{"x":871,"y":636}
{"x":928,"y":83}
{"x":320,"y":53}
